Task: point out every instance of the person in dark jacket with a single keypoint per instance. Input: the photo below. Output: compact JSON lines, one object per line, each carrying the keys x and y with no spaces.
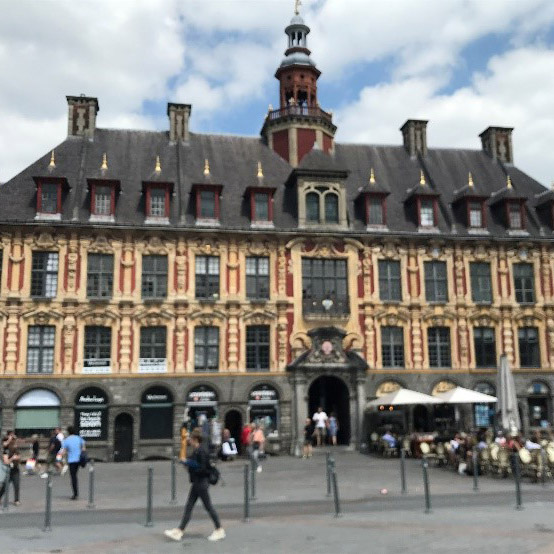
{"x":198,"y":465}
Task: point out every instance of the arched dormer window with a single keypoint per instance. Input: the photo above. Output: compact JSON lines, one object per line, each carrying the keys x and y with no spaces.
{"x":331,"y":208}
{"x":312,"y":207}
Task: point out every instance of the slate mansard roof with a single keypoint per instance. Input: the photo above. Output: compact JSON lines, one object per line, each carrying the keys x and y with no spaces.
{"x":233,"y":160}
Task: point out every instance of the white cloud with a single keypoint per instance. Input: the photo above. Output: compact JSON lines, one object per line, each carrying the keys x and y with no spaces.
{"x":221,"y":54}
{"x":515,"y":91}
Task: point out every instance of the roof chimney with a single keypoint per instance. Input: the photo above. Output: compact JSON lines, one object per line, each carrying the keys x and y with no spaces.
{"x":81,"y":119}
{"x":497,"y":143}
{"x":414,"y":133}
{"x":179,"y":115}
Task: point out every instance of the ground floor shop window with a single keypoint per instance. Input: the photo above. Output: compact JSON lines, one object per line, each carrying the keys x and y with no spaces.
{"x":539,"y":405}
{"x":202,"y":406}
{"x":263,"y":405}
{"x":156,"y":414}
{"x":91,"y":414}
{"x":484,"y":413}
{"x":37,"y":411}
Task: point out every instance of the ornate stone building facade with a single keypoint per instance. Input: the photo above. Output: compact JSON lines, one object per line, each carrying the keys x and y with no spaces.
{"x":149,"y":278}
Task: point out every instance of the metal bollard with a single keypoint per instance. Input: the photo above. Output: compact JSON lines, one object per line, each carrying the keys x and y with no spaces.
{"x":246,"y":517}
{"x":425,"y":465}
{"x":253,"y":468}
{"x":48,"y":508}
{"x":6,"y":498}
{"x":149,"y":487}
{"x":475,"y":455}
{"x":335,"y":492}
{"x":328,"y":472}
{"x":403,"y":470}
{"x":517,"y":476}
{"x":173,"y":481}
{"x":90,"y":504}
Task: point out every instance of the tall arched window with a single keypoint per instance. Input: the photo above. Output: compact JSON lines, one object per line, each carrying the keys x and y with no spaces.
{"x":331,"y":208}
{"x":312,"y":207}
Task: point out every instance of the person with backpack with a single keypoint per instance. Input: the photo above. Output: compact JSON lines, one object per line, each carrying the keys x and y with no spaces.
{"x":74,"y":445}
{"x":201,"y":474}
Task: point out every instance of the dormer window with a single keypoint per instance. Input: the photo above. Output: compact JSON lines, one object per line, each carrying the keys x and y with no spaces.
{"x":50,"y":197}
{"x":207,"y":202}
{"x":102,"y":199}
{"x":322,"y":205}
{"x":157,"y":202}
{"x":261,"y":207}
{"x":375,"y":210}
{"x":475,"y":214}
{"x":427,"y":212}
{"x":515,"y":216}
{"x":331,"y":208}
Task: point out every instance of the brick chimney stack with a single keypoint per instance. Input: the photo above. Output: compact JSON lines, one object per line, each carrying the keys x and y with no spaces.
{"x":81,"y":120}
{"x":414,"y":133}
{"x":179,"y":115}
{"x":497,"y":143}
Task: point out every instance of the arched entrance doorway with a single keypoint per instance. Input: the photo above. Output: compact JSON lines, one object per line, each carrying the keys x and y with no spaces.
{"x":331,"y":393}
{"x":123,"y":438}
{"x":233,"y":422}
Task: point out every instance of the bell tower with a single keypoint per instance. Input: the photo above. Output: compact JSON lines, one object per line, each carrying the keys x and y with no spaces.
{"x":299,"y":122}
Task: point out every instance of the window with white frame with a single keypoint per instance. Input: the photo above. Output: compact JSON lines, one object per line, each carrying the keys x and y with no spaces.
{"x":44,"y":274}
{"x":40,"y":348}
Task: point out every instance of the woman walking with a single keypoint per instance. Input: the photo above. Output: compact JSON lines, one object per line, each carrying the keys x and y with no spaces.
{"x":198,"y":466}
{"x":333,"y":427}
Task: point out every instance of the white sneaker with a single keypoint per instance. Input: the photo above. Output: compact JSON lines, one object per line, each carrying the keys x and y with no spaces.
{"x":64,"y":469}
{"x":174,"y":534}
{"x":217,"y":535}
{"x":44,"y":475}
{"x":259,"y":470}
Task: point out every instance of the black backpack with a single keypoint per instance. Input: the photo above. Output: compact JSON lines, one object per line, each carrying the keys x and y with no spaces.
{"x":213,"y":474}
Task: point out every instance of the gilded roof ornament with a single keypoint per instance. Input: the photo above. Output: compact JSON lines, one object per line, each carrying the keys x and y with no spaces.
{"x":372,"y":176}
{"x":508,"y":182}
{"x":206,"y":167}
{"x":158,"y":168}
{"x":470,"y":180}
{"x":52,"y":163}
{"x":297,"y":4}
{"x":104,"y":161}
{"x":260,"y":170}
{"x":422,"y":177}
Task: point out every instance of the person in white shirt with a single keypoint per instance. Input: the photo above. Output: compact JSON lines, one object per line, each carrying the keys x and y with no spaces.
{"x":320,"y":420}
{"x":60,"y":464}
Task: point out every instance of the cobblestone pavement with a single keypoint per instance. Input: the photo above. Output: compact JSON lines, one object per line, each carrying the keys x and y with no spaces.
{"x":291,"y":511}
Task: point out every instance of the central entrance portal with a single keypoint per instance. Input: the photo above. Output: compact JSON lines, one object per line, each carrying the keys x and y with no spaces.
{"x":331,"y":393}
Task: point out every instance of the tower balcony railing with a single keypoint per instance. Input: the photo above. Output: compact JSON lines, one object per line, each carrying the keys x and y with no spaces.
{"x":300,"y":110}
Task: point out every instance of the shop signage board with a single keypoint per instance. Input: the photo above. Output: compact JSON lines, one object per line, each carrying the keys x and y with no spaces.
{"x":91,"y":414}
{"x":97,"y":366}
{"x":152,"y":365}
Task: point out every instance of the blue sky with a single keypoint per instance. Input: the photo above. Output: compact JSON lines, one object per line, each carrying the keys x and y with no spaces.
{"x":462,"y":64}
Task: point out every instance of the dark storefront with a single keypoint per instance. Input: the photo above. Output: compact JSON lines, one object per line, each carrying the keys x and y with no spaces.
{"x":156,"y":414}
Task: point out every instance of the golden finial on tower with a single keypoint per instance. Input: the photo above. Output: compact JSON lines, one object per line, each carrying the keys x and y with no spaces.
{"x":470,"y":180}
{"x":421,"y":177}
{"x":206,"y":167}
{"x":508,"y":182}
{"x":270,"y":108}
{"x":158,"y":168}
{"x":104,"y":161}
{"x":52,"y":160}
{"x":297,"y":4}
{"x":260,"y":170}
{"x":372,"y":176}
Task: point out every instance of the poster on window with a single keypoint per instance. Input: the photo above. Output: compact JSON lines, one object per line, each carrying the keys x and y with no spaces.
{"x":97,"y":365}
{"x":152,"y":365}
{"x":91,"y":414}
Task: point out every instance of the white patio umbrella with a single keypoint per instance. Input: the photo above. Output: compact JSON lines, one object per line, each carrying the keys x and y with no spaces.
{"x":508,"y":414}
{"x":460,"y":395}
{"x":403,"y":397}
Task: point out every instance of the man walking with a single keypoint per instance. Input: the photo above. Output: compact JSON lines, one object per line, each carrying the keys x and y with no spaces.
{"x":320,"y":420}
{"x":54,"y":446}
{"x":198,"y":466}
{"x":73,"y":446}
